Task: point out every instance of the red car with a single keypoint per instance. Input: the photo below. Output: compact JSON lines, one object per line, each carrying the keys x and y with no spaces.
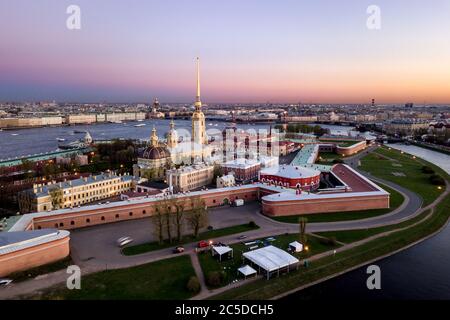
{"x":204,"y":244}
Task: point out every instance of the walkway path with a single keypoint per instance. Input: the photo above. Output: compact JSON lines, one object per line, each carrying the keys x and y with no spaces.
{"x":198,"y":272}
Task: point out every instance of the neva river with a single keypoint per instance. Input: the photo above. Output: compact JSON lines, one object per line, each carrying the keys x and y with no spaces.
{"x":421,"y":272}
{"x":23,"y":142}
{"x":439,"y":159}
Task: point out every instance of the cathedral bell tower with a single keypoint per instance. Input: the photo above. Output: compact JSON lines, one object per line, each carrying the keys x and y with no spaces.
{"x":154,"y":138}
{"x":172,"y":136}
{"x":198,"y":118}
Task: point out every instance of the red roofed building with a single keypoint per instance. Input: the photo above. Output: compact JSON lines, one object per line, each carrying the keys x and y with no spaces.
{"x":296,"y":177}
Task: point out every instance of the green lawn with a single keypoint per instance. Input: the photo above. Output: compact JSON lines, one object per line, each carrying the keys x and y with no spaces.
{"x":348,"y":236}
{"x":395,"y":200}
{"x":207,"y":235}
{"x":210,"y":264}
{"x":328,"y":157}
{"x":414,"y":179}
{"x":161,"y":280}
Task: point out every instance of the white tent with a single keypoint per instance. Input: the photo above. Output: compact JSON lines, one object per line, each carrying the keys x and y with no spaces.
{"x":247,"y":270}
{"x":221,"y":250}
{"x":296,"y":246}
{"x":271,"y":259}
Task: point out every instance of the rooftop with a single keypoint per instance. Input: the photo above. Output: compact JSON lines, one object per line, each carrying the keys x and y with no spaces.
{"x":241,"y":163}
{"x":291,"y":172}
{"x":43,"y":190}
{"x":19,"y":240}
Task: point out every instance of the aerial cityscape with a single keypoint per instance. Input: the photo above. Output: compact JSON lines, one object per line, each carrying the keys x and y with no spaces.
{"x":242,"y":155}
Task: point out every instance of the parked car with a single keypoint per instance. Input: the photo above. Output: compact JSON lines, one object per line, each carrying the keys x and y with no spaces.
{"x":179,"y":249}
{"x":242,"y":237}
{"x":124,"y":241}
{"x":204,"y":244}
{"x":5,"y":282}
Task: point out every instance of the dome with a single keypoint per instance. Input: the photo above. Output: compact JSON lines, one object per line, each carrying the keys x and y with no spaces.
{"x":155,"y":153}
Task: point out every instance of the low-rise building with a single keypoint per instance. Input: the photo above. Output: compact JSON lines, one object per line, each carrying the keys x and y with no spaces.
{"x":244,"y":170}
{"x":79,"y":159}
{"x":225,"y":181}
{"x":405,"y":126}
{"x":72,"y":193}
{"x":190,"y":177}
{"x":295,"y":177}
{"x":30,"y":122}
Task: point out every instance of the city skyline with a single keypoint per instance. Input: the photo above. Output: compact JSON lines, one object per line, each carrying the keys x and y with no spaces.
{"x":251,"y":53}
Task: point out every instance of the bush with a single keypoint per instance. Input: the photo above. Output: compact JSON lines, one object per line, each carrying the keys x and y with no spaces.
{"x":437,"y":180}
{"x":338,"y":161}
{"x":252,"y":224}
{"x":427,"y":170}
{"x":328,"y":241}
{"x":193,"y":284}
{"x":214,"y":278}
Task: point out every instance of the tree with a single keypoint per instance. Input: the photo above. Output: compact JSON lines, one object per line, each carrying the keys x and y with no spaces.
{"x":27,"y":167}
{"x":193,"y":284}
{"x":218,"y":172}
{"x":56,"y":196}
{"x":158,"y":222}
{"x":167,"y":203}
{"x":179,"y":219}
{"x":197,"y":217}
{"x":302,"y":228}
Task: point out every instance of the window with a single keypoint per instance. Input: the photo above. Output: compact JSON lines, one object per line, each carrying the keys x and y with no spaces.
{"x":144,"y":212}
{"x":103,"y":218}
{"x":56,"y":225}
{"x":131,"y":213}
{"x":39,"y":227}
{"x":72,"y":223}
{"x":61,"y":224}
{"x":88,"y":220}
{"x":117,"y":216}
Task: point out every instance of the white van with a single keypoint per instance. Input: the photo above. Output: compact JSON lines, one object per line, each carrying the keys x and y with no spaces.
{"x":124,"y":241}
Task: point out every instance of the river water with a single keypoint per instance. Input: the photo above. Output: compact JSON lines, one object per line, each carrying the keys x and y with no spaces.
{"x":14,"y":143}
{"x":420,"y":272}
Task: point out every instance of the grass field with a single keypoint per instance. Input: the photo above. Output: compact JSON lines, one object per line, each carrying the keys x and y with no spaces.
{"x":151,"y":246}
{"x":384,"y":162}
{"x":328,"y":157}
{"x":161,"y":280}
{"x":210,"y":264}
{"x":348,"y":236}
{"x":395,"y":200}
